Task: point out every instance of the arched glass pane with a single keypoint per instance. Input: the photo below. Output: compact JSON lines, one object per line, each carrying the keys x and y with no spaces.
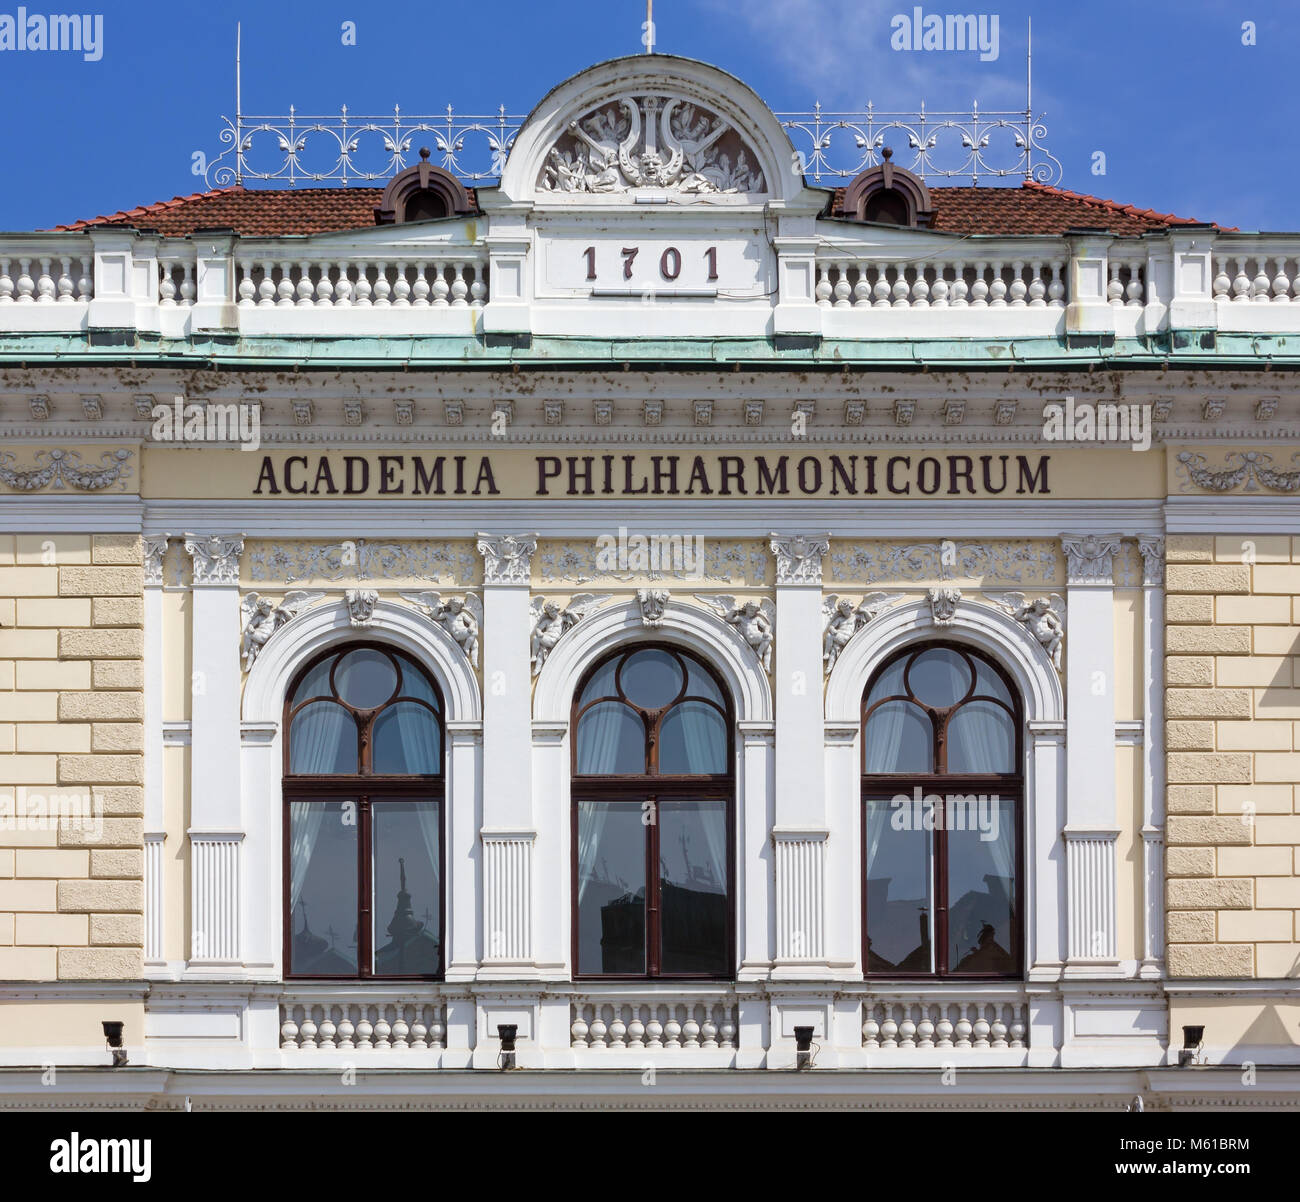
{"x":899,"y":738}
{"x":700,"y":683}
{"x":322,"y":741}
{"x":939,"y":677}
{"x":365,"y":678}
{"x":693,"y":739}
{"x":601,"y":683}
{"x":889,"y":683}
{"x":693,"y":912}
{"x":982,"y":890}
{"x":989,"y":684}
{"x":315,"y":684}
{"x":981,"y":738}
{"x":406,"y":879}
{"x":651,"y":679}
{"x":611,"y":740}
{"x":405,"y":741}
{"x":415,"y":683}
{"x":323,"y":888}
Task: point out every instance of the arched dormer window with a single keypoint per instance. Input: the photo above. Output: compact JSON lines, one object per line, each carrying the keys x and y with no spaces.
{"x":942,"y":799}
{"x":363,"y":818}
{"x":422,"y":193}
{"x":653,"y":814}
{"x":888,"y":195}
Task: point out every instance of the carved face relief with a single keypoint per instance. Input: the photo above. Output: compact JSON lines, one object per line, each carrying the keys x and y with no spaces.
{"x":662,"y":142}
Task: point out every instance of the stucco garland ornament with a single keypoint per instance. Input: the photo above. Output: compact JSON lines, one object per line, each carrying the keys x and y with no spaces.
{"x":841,"y":621}
{"x":261,"y":618}
{"x":64,"y":468}
{"x":1043,"y":617}
{"x":361,"y":604}
{"x":551,"y":622}
{"x":756,"y":621}
{"x":1252,"y":470}
{"x":460,"y":617}
{"x":943,"y":604}
{"x":652,"y":602}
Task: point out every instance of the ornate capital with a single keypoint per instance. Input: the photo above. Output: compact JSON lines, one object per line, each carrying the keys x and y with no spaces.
{"x":1090,"y":557}
{"x":507,"y":558}
{"x":216,"y":557}
{"x":799,"y":557}
{"x":1152,"y":550}
{"x":155,"y":551}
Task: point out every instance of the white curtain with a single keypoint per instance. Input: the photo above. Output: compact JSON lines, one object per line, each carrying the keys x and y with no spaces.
{"x":315,"y":737}
{"x":592,"y":816}
{"x":981,"y":739}
{"x":599,"y":737}
{"x":427,"y":815}
{"x":305,"y":818}
{"x":884,"y":735}
{"x":703,"y":736}
{"x":713,"y":821}
{"x":417,"y":730}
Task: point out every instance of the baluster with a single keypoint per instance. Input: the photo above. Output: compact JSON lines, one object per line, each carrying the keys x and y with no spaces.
{"x":401,"y":288}
{"x":288,"y":1031}
{"x":328,"y":1031}
{"x":383,"y":289}
{"x":365,"y":1029}
{"x":1281,"y":284}
{"x":324,"y":289}
{"x":906,"y":1026}
{"x":998,"y":1029}
{"x":247,"y":289}
{"x":26,"y":285}
{"x":64,"y":283}
{"x":636,"y":1028}
{"x":1016,"y":1032}
{"x":438,"y":1030}
{"x":880,"y":290}
{"x":347,"y":1029}
{"x":166,"y":286}
{"x":824,"y":289}
{"x":943,"y":1028}
{"x":727,"y":1029}
{"x":889,"y":1028}
{"x":1056,"y":289}
{"x":709,"y":1028}
{"x":308,"y":1029}
{"x":920,"y":289}
{"x":189,"y":283}
{"x":441,"y":288}
{"x":420,"y":292}
{"x":401,"y":1028}
{"x":998,"y":287}
{"x":85,"y":282}
{"x":654,"y":1029}
{"x":617,"y":1029}
{"x":1136,"y":290}
{"x":980,"y":1028}
{"x":266,"y":289}
{"x":1019,"y":289}
{"x":962,"y":1028}
{"x":1037,"y":286}
{"x":361,"y":290}
{"x":45,"y":285}
{"x":959,"y":290}
{"x":1240,"y":282}
{"x":979,"y":290}
{"x":902,"y":289}
{"x":459,"y":287}
{"x":939,"y":290}
{"x":599,"y":1029}
{"x":1115,"y":288}
{"x":285,"y":291}
{"x":862,"y":289}
{"x":343,"y":288}
{"x":306,"y":290}
{"x":690,"y":1031}
{"x":384,"y":1030}
{"x":1222,"y":283}
{"x":842,"y":289}
{"x":1260,"y":284}
{"x":870,"y":1027}
{"x":925,"y":1025}
{"x":420,"y":1019}
{"x":6,"y":284}
{"x":478,"y":289}
{"x":672,"y":1031}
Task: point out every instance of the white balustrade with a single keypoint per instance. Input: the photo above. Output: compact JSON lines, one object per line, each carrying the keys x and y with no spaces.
{"x":343,"y":1024}
{"x":944,"y":284}
{"x":653,"y":1023}
{"x":46,"y":279}
{"x":176,"y":285}
{"x":1257,"y":278}
{"x":928,"y":1022}
{"x":442,"y":283}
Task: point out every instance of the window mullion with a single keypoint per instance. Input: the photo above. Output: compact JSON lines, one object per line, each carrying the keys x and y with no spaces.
{"x":652,"y":890}
{"x":364,"y":901}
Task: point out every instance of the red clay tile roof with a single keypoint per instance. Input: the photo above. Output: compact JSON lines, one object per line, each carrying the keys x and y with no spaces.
{"x":1032,"y":208}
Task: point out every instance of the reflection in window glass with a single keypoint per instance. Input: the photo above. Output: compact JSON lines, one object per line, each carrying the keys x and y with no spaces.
{"x":323,"y":740}
{"x":981,"y":890}
{"x":900,"y":890}
{"x":989,"y":684}
{"x":415,"y":683}
{"x":611,"y":740}
{"x":899,"y":738}
{"x":651,"y":679}
{"x":323,"y":888}
{"x":406,"y":879}
{"x":694,"y":916}
{"x":700,"y":683}
{"x":981,"y":738}
{"x":405,"y":741}
{"x":611,"y":888}
{"x":693,"y":740}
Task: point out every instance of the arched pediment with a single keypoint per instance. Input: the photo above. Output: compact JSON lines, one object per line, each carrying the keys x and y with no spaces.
{"x":650,"y":124}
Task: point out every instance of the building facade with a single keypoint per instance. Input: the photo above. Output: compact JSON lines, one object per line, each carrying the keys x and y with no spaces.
{"x":659,"y":606}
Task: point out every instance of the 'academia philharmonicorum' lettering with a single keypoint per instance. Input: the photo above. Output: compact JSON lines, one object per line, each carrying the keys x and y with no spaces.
{"x":659,"y":475}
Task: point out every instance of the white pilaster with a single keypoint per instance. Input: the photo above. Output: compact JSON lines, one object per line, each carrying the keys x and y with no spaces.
{"x":1090,"y":831}
{"x":1153,"y":751}
{"x":509,"y":827}
{"x":155,"y":549}
{"x":800,"y":831}
{"x":462,"y":820}
{"x":216,"y":821}
{"x":755,"y":854}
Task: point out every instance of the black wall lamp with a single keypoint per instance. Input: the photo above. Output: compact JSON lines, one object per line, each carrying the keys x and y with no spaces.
{"x":1193,"y":1037}
{"x":113,"y":1041}
{"x":803,"y":1048}
{"x":507,"y":1032}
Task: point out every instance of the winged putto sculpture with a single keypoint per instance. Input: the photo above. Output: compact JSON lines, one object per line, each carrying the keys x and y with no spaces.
{"x":551,"y":621}
{"x":460,"y":617}
{"x":260,"y":618}
{"x":841,"y":621}
{"x":755,"y":620}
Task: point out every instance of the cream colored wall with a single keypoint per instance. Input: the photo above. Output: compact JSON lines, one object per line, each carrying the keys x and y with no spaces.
{"x":71,"y":893}
{"x":1233,"y":738}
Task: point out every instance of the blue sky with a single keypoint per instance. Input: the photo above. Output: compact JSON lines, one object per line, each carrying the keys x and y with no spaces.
{"x":1191,"y":121}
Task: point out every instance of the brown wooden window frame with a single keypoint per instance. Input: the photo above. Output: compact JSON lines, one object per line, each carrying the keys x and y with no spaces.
{"x":652,"y":787}
{"x":1009,"y":787}
{"x":364,"y":788}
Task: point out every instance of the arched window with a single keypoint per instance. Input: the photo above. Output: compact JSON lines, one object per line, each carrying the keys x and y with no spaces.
{"x":363,"y":798}
{"x":653,"y":791}
{"x":942,"y":793}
